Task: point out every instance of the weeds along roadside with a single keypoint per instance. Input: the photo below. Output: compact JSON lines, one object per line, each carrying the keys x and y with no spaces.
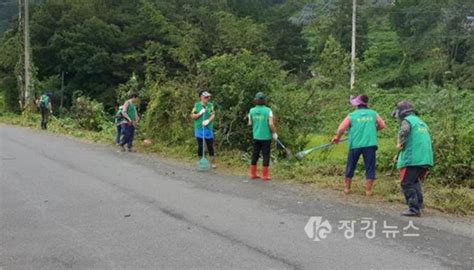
{"x":322,"y":170}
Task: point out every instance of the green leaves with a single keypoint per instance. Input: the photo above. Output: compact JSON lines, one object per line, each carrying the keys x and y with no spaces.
{"x":234,"y":80}
{"x":89,"y":114}
{"x":234,"y":34}
{"x":333,"y":64}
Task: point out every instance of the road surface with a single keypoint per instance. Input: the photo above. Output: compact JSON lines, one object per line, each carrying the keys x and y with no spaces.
{"x":66,"y":204}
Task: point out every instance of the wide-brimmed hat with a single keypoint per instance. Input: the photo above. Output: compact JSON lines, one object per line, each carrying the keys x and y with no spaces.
{"x":357,"y":101}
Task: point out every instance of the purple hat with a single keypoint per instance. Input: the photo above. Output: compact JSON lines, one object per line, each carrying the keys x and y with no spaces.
{"x":357,"y":101}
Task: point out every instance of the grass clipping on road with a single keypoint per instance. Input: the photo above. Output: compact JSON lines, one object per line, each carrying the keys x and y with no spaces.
{"x":322,"y":170}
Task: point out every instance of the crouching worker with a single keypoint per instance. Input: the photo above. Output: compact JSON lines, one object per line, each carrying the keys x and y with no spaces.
{"x":363,"y":125}
{"x":263,"y":130}
{"x":415,"y":157}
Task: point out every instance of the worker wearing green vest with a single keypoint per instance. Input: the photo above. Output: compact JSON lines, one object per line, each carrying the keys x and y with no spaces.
{"x":130,"y":122}
{"x":263,"y":130}
{"x":203,"y":115}
{"x":118,"y":121}
{"x":44,"y":104}
{"x":363,"y":125}
{"x":415,"y":157}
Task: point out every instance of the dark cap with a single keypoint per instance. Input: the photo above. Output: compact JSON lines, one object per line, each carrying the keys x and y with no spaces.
{"x":402,"y":109}
{"x":260,"y":96}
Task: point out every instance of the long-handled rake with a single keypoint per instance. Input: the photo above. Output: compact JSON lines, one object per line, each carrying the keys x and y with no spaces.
{"x":203,"y":164}
{"x":302,"y":154}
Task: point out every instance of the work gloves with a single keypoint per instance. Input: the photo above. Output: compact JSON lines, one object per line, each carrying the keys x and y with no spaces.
{"x":275,"y":136}
{"x":202,"y":111}
{"x":206,"y":122}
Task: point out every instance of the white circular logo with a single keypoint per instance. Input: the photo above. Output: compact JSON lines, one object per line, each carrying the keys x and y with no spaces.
{"x":317,"y":229}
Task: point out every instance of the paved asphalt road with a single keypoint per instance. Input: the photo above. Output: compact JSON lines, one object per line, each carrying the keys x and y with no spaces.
{"x":68,"y":204}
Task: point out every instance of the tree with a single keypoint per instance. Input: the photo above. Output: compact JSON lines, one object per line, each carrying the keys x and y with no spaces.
{"x":10,"y":69}
{"x":333,"y":63}
{"x":234,"y":34}
{"x":234,"y":80}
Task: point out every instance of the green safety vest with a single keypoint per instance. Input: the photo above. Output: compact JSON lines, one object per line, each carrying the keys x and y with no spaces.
{"x":131,"y":111}
{"x":259,"y":116}
{"x":209,"y":109}
{"x":118,"y":115}
{"x":44,"y":101}
{"x":363,"y":130}
{"x":417,"y":150}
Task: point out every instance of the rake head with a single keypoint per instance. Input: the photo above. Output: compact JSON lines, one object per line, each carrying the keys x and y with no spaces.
{"x":203,"y":165}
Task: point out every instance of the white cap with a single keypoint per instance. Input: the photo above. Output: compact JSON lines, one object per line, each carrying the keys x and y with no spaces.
{"x":206,"y":94}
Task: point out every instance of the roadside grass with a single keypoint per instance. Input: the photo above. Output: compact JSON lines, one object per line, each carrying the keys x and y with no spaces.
{"x":322,"y":169}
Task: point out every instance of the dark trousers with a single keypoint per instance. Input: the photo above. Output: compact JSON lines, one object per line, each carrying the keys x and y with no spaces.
{"x":44,"y":117}
{"x":368,"y":153}
{"x":128,"y":134}
{"x":411,"y":186}
{"x":209,"y":144}
{"x":263,"y":146}
{"x":118,"y":136}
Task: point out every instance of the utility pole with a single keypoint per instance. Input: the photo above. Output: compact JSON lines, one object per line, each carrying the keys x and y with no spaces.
{"x":353,"y":46}
{"x":19,"y":14}
{"x":27,"y":52}
{"x":21,"y":96}
{"x":62,"y":90}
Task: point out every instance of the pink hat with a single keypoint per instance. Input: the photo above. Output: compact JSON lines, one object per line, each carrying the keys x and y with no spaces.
{"x":357,"y":101}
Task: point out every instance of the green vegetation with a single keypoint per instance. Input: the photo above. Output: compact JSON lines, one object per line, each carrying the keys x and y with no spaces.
{"x":321,"y":170}
{"x":297,"y":51}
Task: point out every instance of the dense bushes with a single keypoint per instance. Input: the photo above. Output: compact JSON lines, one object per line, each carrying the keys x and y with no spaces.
{"x":167,"y":118}
{"x":235,"y":79}
{"x":453,"y":132}
{"x":89,"y":114}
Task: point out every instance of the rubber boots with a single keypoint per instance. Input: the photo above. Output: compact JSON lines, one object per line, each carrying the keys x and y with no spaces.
{"x":347,"y":186}
{"x":265,"y":176}
{"x":253,"y":172}
{"x":368,"y":187}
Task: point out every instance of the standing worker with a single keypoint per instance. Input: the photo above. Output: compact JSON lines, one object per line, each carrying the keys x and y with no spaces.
{"x":263,"y":130}
{"x":203,"y":115}
{"x":130,"y":115}
{"x":46,"y":108}
{"x":415,"y":158}
{"x":363,"y":125}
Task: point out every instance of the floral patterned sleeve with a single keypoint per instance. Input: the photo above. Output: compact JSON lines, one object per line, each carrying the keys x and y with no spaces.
{"x":403,"y":132}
